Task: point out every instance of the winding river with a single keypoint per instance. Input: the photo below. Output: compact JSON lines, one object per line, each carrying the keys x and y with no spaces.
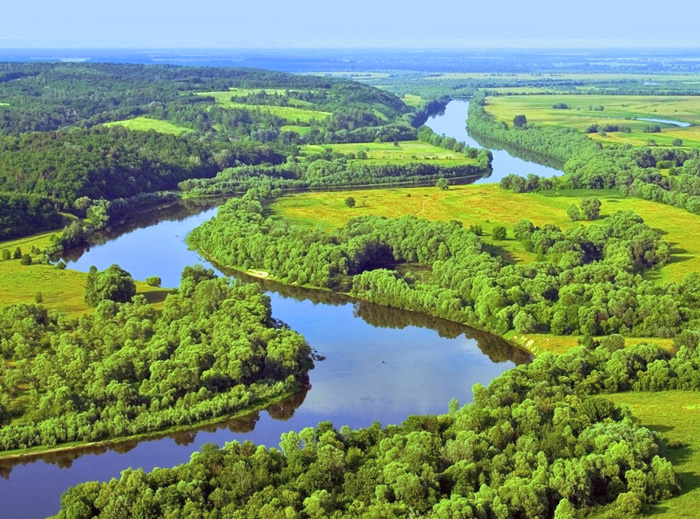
{"x":380,"y":364}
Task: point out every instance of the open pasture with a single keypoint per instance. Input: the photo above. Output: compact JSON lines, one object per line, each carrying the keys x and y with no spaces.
{"x":145,"y":124}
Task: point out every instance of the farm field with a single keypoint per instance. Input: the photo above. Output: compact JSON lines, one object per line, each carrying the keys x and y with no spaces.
{"x":674,"y":415}
{"x":146,"y":124}
{"x":489,"y":206}
{"x":385,"y":152}
{"x":618,"y":110}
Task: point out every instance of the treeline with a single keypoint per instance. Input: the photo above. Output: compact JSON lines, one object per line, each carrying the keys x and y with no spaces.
{"x":126,"y":369}
{"x":559,"y":143}
{"x":21,"y":215}
{"x":114,"y":162}
{"x":537,"y":443}
{"x":586,"y":281}
{"x":329,"y":170}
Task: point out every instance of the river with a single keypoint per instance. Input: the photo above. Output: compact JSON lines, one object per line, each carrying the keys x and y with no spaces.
{"x":379,"y":364}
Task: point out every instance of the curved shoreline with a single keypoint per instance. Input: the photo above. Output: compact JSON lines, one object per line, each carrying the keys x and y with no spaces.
{"x":39,"y":452}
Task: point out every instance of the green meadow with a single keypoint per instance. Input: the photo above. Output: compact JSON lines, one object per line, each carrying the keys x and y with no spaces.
{"x":387,"y":152}
{"x":618,"y":110}
{"x":145,"y":124}
{"x":412,"y":100}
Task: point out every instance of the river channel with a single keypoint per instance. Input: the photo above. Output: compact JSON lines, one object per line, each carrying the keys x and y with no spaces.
{"x":379,"y":364}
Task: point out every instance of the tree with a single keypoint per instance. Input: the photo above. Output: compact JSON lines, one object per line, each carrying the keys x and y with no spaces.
{"x":350,"y":201}
{"x":591,"y":208}
{"x":442,"y":183}
{"x":677,"y":142}
{"x":499,"y":233}
{"x":26,"y":259}
{"x":17,"y":254}
{"x":520,"y":121}
{"x":574,"y":213}
{"x":153,"y":281}
{"x":6,"y":254}
{"x":113,"y":283}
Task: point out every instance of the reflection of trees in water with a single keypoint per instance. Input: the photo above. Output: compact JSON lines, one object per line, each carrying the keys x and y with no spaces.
{"x":173,"y":212}
{"x":517,"y":151}
{"x":282,"y":410}
{"x":496,"y":348}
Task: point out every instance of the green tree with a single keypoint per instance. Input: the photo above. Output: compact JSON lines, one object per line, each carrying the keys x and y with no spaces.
{"x":591,"y":208}
{"x":499,"y":232}
{"x":153,"y":281}
{"x":113,"y":283}
{"x":677,"y":142}
{"x":17,"y":254}
{"x":520,"y":121}
{"x":26,"y":259}
{"x":442,"y":183}
{"x":574,"y":213}
{"x":350,"y":201}
{"x":6,"y":254}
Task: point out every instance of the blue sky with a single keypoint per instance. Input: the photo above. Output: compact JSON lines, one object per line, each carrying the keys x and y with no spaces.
{"x":354,"y":23}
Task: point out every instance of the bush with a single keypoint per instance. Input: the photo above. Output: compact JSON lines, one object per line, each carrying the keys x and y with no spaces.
{"x":26,"y":259}
{"x":677,"y":142}
{"x":350,"y":201}
{"x":6,"y":254}
{"x":17,"y":254}
{"x":61,"y":265}
{"x":520,"y":121}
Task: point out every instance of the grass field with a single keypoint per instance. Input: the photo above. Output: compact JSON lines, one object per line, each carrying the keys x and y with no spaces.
{"x":301,"y":130}
{"x":290,"y":113}
{"x":412,"y":100}
{"x":488,"y":206}
{"x":619,"y":110}
{"x":146,"y":124}
{"x":61,"y":289}
{"x":384,"y":152}
{"x":675,"y":415}
{"x":538,"y":343}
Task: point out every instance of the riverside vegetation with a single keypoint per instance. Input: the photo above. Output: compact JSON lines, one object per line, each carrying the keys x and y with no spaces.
{"x":542,"y":440}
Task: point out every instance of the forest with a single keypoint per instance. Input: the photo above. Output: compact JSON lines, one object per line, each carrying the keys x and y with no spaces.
{"x":126,"y":369}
